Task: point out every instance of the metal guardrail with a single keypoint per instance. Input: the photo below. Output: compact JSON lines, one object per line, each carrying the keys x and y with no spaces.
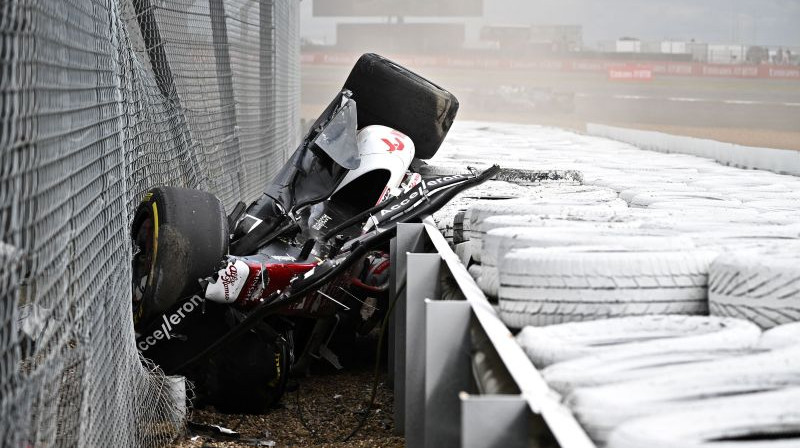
{"x":431,"y":359}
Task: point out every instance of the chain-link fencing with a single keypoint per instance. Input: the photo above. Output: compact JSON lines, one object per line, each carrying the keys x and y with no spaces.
{"x":101,"y":100}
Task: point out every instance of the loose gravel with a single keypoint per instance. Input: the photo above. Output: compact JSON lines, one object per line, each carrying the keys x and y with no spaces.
{"x":323,"y":409}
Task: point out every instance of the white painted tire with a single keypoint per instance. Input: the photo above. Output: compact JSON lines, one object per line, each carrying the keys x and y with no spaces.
{"x":563,"y":206}
{"x":498,"y":242}
{"x":713,"y":423}
{"x":464,"y":252}
{"x":646,"y":199}
{"x":641,"y":335}
{"x":577,"y":193}
{"x":674,"y":188}
{"x":738,"y":235}
{"x":488,"y":282}
{"x":648,"y":359}
{"x":600,"y":409}
{"x":603,"y":219}
{"x":775,"y":204}
{"x":734,"y":243}
{"x":716,"y":205}
{"x":476,"y":271}
{"x":551,"y":286}
{"x":760,"y":285}
{"x":781,"y":216}
{"x":687,"y":213}
{"x":693,"y":225}
{"x":736,"y":179}
{"x":476,"y":214}
{"x":605,"y":369}
{"x":622,"y":182}
{"x":781,"y":336}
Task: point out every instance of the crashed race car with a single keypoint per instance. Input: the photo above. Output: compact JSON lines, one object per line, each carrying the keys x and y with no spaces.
{"x":236,"y":301}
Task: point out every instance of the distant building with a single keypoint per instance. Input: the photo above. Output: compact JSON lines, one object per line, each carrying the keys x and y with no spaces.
{"x":550,"y":38}
{"x":698,"y":50}
{"x":651,"y":47}
{"x":674,"y":47}
{"x":560,"y":38}
{"x":628,"y":45}
{"x":727,"y":54}
{"x":427,"y":38}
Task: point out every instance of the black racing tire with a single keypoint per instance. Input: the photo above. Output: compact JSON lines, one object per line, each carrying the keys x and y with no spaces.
{"x":391,"y":95}
{"x":181,"y":236}
{"x":251,"y":375}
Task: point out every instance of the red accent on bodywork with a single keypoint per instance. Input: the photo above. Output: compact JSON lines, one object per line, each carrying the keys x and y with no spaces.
{"x":278,"y":277}
{"x":394,"y":147}
{"x":377,"y":270}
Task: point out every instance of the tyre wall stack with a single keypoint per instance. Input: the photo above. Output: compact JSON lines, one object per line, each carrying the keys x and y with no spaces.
{"x":626,"y":193}
{"x":661,"y":292}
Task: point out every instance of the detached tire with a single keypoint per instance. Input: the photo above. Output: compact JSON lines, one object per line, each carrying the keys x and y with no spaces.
{"x":391,"y":95}
{"x":181,"y":236}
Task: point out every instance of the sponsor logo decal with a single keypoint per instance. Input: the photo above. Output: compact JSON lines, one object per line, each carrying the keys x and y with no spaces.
{"x":420,"y":191}
{"x":257,"y":286}
{"x":321,"y":222}
{"x":163,"y":332}
{"x":397,"y":146}
{"x":230,"y":281}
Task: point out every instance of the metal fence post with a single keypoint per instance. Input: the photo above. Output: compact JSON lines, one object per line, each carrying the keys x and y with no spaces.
{"x":422,"y":282}
{"x":494,"y":421}
{"x":447,"y":370}
{"x":410,"y":238}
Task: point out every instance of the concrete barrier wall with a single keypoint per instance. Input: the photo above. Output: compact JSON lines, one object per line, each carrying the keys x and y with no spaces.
{"x":782,"y":161}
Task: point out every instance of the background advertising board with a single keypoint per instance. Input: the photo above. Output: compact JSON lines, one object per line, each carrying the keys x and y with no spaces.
{"x":412,"y":8}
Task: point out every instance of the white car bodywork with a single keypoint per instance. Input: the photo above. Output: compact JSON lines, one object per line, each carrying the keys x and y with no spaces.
{"x":382,"y":148}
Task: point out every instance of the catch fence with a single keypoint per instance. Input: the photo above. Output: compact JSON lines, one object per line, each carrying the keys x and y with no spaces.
{"x":101,"y":100}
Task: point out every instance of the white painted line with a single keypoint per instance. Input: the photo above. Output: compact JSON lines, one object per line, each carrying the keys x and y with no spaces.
{"x":633,"y":97}
{"x":743,"y":102}
{"x":688,"y":100}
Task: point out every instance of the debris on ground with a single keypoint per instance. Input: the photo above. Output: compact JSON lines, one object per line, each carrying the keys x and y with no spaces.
{"x":320,"y":412}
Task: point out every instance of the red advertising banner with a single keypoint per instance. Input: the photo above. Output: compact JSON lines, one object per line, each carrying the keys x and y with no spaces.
{"x":630,"y":73}
{"x":616,"y":70}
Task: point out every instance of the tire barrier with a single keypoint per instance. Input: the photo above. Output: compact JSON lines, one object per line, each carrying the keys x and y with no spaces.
{"x":557,"y":285}
{"x":762,"y":285}
{"x":601,"y":409}
{"x":768,"y":419}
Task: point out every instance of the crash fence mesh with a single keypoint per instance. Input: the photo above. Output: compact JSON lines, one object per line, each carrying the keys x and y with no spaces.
{"x":101,"y":100}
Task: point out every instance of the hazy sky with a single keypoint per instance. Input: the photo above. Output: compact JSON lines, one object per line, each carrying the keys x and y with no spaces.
{"x":766,"y":22}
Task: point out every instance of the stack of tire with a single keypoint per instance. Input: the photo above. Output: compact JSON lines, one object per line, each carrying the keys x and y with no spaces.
{"x":660,"y":297}
{"x":655,"y":381}
{"x":583,"y":253}
{"x":509,"y":184}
